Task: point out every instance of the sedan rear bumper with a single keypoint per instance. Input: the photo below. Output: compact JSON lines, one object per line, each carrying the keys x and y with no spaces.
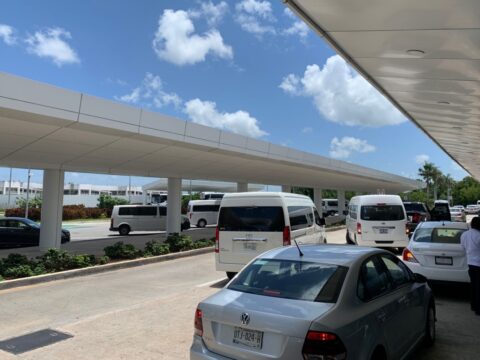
{"x":440,"y":273}
{"x":198,"y":351}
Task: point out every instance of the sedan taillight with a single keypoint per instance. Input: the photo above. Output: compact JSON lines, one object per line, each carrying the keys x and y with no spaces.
{"x":407,"y":255}
{"x":198,"y":323}
{"x":323,"y":345}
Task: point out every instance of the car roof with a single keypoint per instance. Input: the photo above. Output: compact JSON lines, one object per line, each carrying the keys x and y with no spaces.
{"x":12,"y":218}
{"x":449,"y":224}
{"x":343,"y":255}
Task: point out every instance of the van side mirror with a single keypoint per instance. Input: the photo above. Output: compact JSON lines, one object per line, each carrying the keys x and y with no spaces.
{"x":322,"y":221}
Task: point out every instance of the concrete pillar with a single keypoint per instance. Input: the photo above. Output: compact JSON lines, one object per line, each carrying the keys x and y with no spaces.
{"x":286,"y":188}
{"x":317,"y":200}
{"x":52,"y":209}
{"x":341,"y":201}
{"x":242,"y":187}
{"x":174,"y":210}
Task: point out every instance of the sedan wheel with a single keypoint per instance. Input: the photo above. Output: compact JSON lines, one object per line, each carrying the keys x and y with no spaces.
{"x":430,"y":332}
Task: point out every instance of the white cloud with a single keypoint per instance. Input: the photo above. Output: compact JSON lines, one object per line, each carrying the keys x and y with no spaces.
{"x":298,"y":27}
{"x":307,"y":130}
{"x":422,"y":159}
{"x":151,"y":93}
{"x":211,"y":12}
{"x":52,"y":43}
{"x":206,"y":113}
{"x":176,"y":42}
{"x":342,"y":96}
{"x":343,"y":148}
{"x":255,"y":17}
{"x":7,"y":34}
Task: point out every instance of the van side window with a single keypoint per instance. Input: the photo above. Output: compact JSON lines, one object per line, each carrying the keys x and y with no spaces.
{"x":352,"y":210}
{"x":301,"y":217}
{"x":162,"y":210}
{"x":138,"y":211}
{"x":205,"y":208}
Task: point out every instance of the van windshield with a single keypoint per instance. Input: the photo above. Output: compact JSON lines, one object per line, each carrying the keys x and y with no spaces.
{"x":251,"y":218}
{"x":382,"y":213}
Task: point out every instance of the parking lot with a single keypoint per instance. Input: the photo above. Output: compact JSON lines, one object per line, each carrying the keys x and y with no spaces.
{"x":147,"y":313}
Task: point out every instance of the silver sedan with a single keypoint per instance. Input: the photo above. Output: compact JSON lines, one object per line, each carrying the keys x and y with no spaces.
{"x":325,"y":302}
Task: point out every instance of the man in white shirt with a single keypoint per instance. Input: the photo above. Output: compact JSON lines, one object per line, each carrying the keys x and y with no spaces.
{"x":470,"y":241}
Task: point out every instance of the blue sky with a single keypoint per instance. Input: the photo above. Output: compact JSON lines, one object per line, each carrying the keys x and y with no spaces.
{"x":248,"y":66}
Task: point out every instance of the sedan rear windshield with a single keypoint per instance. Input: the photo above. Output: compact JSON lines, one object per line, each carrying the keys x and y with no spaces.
{"x":382,"y":213}
{"x":251,"y":218}
{"x":438,"y":235}
{"x":290,"y":279}
{"x":414,"y":207}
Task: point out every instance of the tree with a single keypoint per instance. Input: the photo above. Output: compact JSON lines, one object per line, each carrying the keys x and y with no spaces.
{"x":35,"y":202}
{"x":430,"y":174}
{"x":106,"y":201}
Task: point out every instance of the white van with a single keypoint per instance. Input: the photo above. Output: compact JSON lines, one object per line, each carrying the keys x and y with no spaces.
{"x":127,"y":218}
{"x":252,"y":222}
{"x":377,"y":220}
{"x":203,"y":212}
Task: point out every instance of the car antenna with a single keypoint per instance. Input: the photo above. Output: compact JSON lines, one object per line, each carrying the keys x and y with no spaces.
{"x":298,"y":247}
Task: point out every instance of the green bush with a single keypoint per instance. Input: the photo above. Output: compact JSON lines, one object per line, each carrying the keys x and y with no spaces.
{"x":203,"y":243}
{"x":19,"y":271}
{"x":1,"y":278}
{"x":13,"y":260}
{"x":106,"y":201}
{"x":120,"y":250}
{"x":58,"y":260}
{"x":103,"y":260}
{"x":155,"y":248}
{"x":177,"y":242}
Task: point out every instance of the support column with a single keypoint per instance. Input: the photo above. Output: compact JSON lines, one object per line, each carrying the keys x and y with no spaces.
{"x":242,"y":187}
{"x":52,"y":209}
{"x":286,"y":188}
{"x":317,"y":200}
{"x":174,"y":210}
{"x":341,"y":201}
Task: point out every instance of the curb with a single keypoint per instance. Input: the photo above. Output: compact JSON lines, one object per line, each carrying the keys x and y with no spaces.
{"x":10,"y":284}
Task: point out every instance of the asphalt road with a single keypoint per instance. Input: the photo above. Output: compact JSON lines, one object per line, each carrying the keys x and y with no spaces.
{"x":147,"y":313}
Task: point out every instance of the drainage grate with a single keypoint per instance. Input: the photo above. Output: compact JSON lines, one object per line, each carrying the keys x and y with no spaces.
{"x":35,"y":340}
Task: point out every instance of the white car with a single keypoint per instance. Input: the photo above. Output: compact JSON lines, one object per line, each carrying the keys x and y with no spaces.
{"x":472,"y":209}
{"x":457,"y":215}
{"x":435,"y":251}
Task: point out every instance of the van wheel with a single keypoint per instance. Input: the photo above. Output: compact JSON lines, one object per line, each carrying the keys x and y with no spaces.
{"x":231,"y":274}
{"x":349,"y":241}
{"x":124,"y":230}
{"x":201,"y":223}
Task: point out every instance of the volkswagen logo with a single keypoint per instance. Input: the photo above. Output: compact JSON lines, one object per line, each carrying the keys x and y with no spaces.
{"x":245,"y":319}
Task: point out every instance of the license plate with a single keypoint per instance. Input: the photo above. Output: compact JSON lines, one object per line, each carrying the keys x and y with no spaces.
{"x":250,"y":338}
{"x":250,"y":246}
{"x":443,"y":260}
{"x":383,"y":231}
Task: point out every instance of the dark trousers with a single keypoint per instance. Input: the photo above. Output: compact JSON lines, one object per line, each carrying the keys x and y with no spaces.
{"x":474,"y":272}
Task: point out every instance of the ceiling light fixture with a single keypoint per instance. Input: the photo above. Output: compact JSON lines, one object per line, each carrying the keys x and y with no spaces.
{"x":415,"y":52}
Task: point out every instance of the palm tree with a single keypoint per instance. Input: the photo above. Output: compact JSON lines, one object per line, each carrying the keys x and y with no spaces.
{"x":429,"y":173}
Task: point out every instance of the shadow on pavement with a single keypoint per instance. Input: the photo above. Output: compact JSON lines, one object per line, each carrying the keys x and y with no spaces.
{"x":219,"y":284}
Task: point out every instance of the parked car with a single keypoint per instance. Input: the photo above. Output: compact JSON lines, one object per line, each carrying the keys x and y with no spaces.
{"x":416,"y":213}
{"x":472,"y":209}
{"x":457,"y":215}
{"x":326,"y":302}
{"x":21,"y":232}
{"x":252,"y":222}
{"x":440,"y":211}
{"x":377,"y":220}
{"x":127,"y":218}
{"x":436,"y":253}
